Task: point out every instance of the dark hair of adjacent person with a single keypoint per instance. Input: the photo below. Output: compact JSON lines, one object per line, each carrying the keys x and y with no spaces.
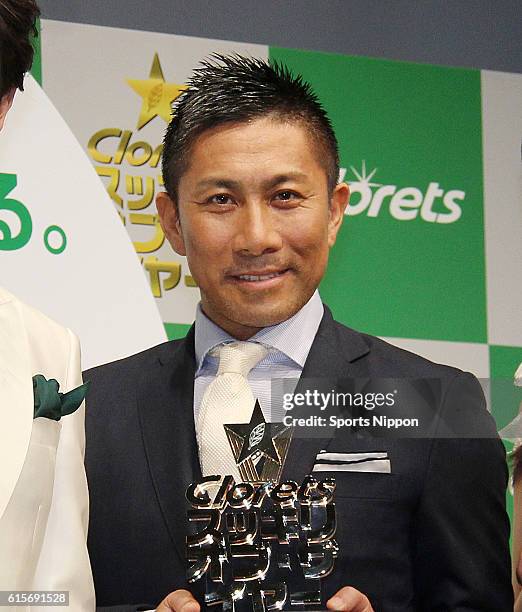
{"x":17,"y":30}
{"x":236,"y":89}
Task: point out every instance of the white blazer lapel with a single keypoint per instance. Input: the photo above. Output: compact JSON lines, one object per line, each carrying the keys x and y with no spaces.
{"x":16,"y":396}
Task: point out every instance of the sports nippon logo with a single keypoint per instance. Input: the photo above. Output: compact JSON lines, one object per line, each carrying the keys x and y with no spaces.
{"x":405,"y":204}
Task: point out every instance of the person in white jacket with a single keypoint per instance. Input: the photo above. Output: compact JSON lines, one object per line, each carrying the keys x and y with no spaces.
{"x":43,"y":490}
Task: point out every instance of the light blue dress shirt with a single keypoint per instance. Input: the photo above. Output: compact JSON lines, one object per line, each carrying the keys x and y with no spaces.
{"x":288,"y":342}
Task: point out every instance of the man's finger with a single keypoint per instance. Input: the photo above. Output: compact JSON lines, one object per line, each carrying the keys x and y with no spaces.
{"x":179,"y":601}
{"x":349,"y":599}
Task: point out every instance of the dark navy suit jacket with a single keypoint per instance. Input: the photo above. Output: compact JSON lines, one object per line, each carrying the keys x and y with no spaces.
{"x":432,"y":535}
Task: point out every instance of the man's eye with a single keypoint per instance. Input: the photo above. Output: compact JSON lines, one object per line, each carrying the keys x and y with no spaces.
{"x":221,"y":199}
{"x":286,"y":196}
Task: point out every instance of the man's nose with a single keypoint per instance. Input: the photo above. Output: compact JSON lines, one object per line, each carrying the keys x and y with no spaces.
{"x":257,"y":231}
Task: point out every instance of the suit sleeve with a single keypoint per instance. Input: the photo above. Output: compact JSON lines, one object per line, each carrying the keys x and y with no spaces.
{"x":461,"y":528}
{"x":64,"y":561}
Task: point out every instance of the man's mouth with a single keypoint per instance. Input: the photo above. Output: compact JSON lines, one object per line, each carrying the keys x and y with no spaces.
{"x":259,"y":276}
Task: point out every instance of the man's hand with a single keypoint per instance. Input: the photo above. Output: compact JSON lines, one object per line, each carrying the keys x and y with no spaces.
{"x":179,"y":601}
{"x":349,"y":599}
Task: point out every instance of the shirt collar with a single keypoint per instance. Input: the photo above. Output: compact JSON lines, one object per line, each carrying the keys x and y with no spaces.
{"x":292,"y":337}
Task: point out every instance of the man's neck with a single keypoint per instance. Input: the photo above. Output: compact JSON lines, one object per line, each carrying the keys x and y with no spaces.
{"x":236,"y":330}
{"x":293,"y":337}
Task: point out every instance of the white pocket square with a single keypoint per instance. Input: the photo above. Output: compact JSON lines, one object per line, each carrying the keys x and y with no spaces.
{"x":352,"y":462}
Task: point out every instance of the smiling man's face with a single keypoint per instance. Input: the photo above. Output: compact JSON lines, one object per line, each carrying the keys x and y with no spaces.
{"x":255,"y":221}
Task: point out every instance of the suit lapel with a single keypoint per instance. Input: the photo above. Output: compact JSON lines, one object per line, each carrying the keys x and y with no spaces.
{"x":335,"y":354}
{"x":16,"y":396}
{"x":165,"y":405}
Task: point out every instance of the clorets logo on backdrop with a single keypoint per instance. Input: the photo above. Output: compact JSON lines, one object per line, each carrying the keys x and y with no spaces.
{"x":16,"y":226}
{"x":129,"y":167}
{"x":433,"y":204}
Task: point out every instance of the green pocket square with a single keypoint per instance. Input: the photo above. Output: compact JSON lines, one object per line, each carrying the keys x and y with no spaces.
{"x":50,"y":403}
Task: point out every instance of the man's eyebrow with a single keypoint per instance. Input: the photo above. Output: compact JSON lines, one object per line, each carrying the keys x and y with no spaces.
{"x":218,"y":182}
{"x":284,"y":178}
{"x":270,"y":183}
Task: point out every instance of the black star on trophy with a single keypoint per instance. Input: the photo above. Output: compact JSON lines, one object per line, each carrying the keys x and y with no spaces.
{"x":259,"y":448}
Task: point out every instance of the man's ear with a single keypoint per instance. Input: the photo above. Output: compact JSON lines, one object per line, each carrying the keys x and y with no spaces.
{"x":5,"y":104}
{"x":169,"y":218}
{"x":338,"y":204}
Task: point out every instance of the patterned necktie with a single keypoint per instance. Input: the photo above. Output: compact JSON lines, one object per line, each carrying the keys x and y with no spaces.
{"x":227,"y":399}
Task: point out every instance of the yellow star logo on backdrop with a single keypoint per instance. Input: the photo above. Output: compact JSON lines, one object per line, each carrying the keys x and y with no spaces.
{"x":157,"y":95}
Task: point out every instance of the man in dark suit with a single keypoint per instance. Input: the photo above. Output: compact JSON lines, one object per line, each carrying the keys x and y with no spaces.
{"x":250,"y":166}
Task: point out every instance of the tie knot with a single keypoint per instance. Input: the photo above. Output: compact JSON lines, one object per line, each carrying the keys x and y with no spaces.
{"x":239,"y":357}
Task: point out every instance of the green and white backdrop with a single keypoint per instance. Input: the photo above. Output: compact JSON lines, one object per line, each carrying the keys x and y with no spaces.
{"x":429,"y":256}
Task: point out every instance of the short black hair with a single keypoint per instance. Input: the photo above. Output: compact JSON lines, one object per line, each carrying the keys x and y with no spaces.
{"x":236,"y":89}
{"x":17,"y":29}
